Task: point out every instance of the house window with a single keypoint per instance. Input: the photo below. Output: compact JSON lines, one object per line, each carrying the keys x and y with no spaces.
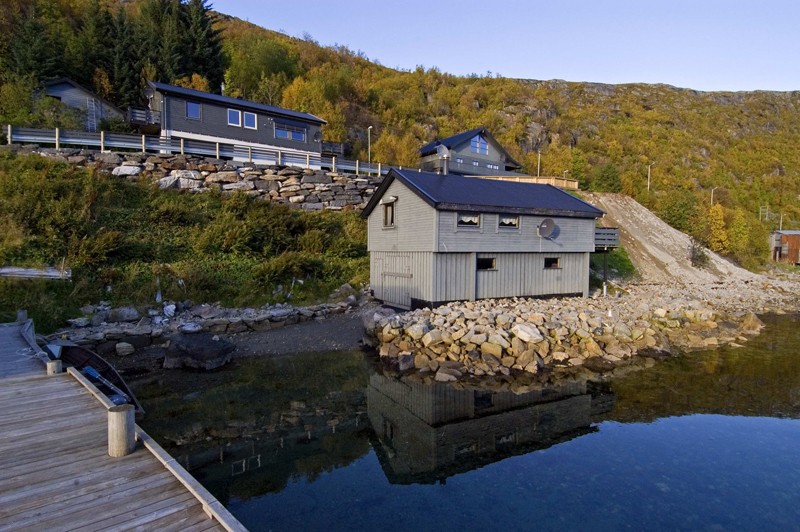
{"x":285,"y":131}
{"x":388,"y":214}
{"x":234,"y":118}
{"x":460,"y":160}
{"x":193,"y":111}
{"x":552,"y":263}
{"x":492,"y":166}
{"x":479,"y":145}
{"x":475,"y":163}
{"x":468,"y":220}
{"x":508,"y":222}
{"x":250,"y":120}
{"x":489,"y":263}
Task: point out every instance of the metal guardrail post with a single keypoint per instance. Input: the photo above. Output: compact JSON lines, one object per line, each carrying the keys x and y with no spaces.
{"x":102,"y":141}
{"x":356,"y":166}
{"x":182,"y":147}
{"x":279,"y":156}
{"x":144,"y":144}
{"x":379,"y":169}
{"x":217,"y":146}
{"x":308,"y":161}
{"x":57,"y":140}
{"x":250,"y":154}
{"x":333,"y":163}
{"x":9,"y":133}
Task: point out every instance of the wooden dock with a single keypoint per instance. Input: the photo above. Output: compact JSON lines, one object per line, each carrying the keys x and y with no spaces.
{"x":55,"y":472}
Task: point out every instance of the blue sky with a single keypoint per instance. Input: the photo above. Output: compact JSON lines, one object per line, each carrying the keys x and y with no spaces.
{"x":698,"y":44}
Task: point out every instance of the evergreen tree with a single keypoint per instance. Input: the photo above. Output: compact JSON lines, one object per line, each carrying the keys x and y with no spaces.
{"x":204,"y":55}
{"x":124,"y":71}
{"x":579,"y":169}
{"x":89,"y":49}
{"x":31,"y":50}
{"x":607,"y":179}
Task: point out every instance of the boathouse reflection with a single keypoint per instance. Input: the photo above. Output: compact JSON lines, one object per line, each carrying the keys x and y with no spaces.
{"x":425,"y":433}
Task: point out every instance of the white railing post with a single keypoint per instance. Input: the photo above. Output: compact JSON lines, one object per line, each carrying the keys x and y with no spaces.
{"x":9,"y":133}
{"x":356,"y":166}
{"x":144,"y":144}
{"x":182,"y":147}
{"x":379,"y":169}
{"x":308,"y":161}
{"x":250,"y":154}
{"x":58,"y":145}
{"x":279,"y":157}
{"x":102,"y":141}
{"x":333,"y":164}
{"x":217,"y":150}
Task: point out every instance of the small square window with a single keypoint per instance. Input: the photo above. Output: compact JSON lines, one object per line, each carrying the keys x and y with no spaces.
{"x":460,"y":160}
{"x":475,"y":163}
{"x":552,"y":263}
{"x":193,"y":111}
{"x":468,"y":220}
{"x":487,"y":263}
{"x":388,"y":214}
{"x":234,"y":118}
{"x":250,"y":120}
{"x":508,"y":222}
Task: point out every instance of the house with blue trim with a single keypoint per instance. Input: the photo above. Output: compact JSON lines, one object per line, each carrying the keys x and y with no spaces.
{"x":475,"y":153}
{"x":176,"y":112}
{"x":435,"y":238}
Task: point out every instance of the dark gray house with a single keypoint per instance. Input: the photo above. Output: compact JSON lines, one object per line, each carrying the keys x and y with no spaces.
{"x":474,"y":152}
{"x":181,"y":113}
{"x":436,"y":238}
{"x":95,"y":108}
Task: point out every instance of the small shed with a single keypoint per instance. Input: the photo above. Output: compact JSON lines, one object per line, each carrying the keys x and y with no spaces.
{"x":76,"y":96}
{"x":785,"y":246}
{"x":436,"y":238}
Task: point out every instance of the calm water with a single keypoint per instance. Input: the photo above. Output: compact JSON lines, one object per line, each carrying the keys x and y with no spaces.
{"x":703,"y":441}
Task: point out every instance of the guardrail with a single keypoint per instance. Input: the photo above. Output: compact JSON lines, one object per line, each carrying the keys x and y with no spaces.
{"x":219,"y":150}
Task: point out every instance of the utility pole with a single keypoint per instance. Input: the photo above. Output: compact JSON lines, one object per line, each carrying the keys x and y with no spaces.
{"x":369,"y":147}
{"x":712,"y":195}
{"x":538,"y":162}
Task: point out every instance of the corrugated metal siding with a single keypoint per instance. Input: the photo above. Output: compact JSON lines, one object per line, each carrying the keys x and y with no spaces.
{"x":572,"y":235}
{"x":453,"y":276}
{"x":396,"y":276}
{"x":214,"y":122}
{"x":415,"y":223}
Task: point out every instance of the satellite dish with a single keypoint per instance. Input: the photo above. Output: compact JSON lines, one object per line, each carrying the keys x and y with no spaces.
{"x":546,"y":228}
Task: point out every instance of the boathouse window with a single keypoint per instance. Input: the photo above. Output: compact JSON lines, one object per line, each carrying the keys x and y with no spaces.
{"x":479,"y":145}
{"x":193,"y":111}
{"x":552,"y":263}
{"x":468,"y":220}
{"x":487,"y":263}
{"x":285,"y":131}
{"x":250,"y":120}
{"x":388,"y":215}
{"x":234,"y":118}
{"x":508,"y":222}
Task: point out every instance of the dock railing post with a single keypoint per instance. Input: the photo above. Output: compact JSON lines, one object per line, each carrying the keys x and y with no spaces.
{"x":121,"y":430}
{"x":54,"y":367}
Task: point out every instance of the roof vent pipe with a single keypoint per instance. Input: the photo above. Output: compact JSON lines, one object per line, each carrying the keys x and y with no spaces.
{"x":444,"y":156}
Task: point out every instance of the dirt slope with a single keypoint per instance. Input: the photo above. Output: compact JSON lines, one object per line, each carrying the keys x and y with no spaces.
{"x":659,"y":252}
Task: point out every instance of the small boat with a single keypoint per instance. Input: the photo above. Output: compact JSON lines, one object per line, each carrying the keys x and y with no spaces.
{"x":96,"y":369}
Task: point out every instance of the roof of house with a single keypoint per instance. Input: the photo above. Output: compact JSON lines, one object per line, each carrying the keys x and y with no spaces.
{"x":75,"y":85}
{"x":792,"y":232}
{"x":234,"y":102}
{"x":458,"y":193}
{"x":460,"y":138}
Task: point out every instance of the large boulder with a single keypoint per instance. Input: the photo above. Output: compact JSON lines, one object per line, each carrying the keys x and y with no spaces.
{"x":198,"y":350}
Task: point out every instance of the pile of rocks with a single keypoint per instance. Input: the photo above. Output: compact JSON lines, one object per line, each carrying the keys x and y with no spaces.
{"x":499,"y":337}
{"x":304,"y":188}
{"x":123,"y":330}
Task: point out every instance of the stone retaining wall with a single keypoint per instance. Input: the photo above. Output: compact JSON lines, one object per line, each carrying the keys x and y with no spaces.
{"x":297,"y":187}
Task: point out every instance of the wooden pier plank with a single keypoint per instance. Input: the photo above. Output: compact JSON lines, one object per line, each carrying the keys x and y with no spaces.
{"x":55,"y":472}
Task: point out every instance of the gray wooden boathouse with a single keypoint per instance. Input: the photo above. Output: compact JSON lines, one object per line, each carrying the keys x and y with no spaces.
{"x":438,"y":238}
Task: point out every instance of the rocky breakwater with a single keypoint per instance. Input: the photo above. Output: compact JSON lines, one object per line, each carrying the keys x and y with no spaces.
{"x":529,"y":336}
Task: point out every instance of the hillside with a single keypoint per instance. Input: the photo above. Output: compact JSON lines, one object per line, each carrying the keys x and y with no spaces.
{"x":740,"y":145}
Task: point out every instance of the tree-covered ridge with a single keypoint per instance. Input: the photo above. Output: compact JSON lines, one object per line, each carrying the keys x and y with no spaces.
{"x":741,"y":145}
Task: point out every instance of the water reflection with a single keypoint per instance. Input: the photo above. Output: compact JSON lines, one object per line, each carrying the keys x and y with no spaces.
{"x":428,"y":432}
{"x":317,"y":429}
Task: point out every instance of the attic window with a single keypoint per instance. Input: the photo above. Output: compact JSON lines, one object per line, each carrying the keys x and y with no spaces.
{"x":388,"y":214}
{"x":468,"y":220}
{"x":508,"y":222}
{"x":250,"y":121}
{"x":479,"y":145}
